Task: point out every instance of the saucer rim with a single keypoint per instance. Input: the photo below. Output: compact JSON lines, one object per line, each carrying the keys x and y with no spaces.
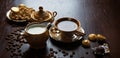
{"x":56,"y":39}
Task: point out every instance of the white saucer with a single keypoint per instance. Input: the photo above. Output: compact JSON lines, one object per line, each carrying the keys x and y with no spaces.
{"x":55,"y":34}
{"x":8,"y":16}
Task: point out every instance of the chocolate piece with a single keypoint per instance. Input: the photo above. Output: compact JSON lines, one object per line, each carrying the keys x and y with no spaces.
{"x":99,"y":50}
{"x":106,"y":47}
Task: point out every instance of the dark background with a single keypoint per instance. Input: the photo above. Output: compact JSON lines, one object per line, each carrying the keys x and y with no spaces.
{"x":96,"y":16}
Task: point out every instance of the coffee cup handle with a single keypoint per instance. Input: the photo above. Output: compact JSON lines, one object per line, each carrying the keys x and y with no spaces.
{"x":79,"y":33}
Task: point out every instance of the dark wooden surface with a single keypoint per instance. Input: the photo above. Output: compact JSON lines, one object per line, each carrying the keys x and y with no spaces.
{"x":96,"y":16}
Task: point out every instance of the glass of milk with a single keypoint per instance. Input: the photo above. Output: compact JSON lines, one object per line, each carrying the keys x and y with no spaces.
{"x":36,"y":34}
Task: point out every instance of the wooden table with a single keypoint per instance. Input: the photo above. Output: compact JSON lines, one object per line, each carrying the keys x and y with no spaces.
{"x":96,"y":16}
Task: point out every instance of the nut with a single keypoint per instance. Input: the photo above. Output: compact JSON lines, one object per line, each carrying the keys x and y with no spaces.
{"x":101,"y":37}
{"x":92,"y":37}
{"x":86,"y":43}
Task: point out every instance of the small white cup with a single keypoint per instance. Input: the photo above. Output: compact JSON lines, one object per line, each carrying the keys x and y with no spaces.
{"x":68,"y":27}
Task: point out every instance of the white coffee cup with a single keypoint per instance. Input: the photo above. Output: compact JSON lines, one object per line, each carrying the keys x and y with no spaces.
{"x":67,"y":27}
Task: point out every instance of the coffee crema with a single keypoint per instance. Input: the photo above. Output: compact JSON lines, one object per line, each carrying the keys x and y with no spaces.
{"x":36,"y":30}
{"x":67,"y":26}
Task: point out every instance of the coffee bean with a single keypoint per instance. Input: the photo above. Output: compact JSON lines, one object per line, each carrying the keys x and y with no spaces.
{"x":9,"y":42}
{"x":15,"y":53}
{"x":9,"y":35}
{"x":19,"y":50}
{"x":14,"y":39}
{"x":16,"y":34}
{"x":7,"y":48}
{"x":86,"y":52}
{"x":18,"y":47}
{"x":54,"y":57}
{"x":51,"y":49}
{"x":81,"y":57}
{"x":63,"y":52}
{"x":7,"y":38}
{"x":17,"y":40}
{"x":12,"y":51}
{"x":11,"y":55}
{"x":55,"y":52}
{"x":52,"y":52}
{"x":59,"y":50}
{"x":66,"y":53}
{"x":25,"y":42}
{"x":14,"y":45}
{"x":19,"y":54}
{"x":22,"y":41}
{"x":9,"y":45}
{"x":71,"y":56}
{"x":73,"y":53}
{"x":20,"y":37}
{"x":51,"y":55}
{"x":13,"y":33}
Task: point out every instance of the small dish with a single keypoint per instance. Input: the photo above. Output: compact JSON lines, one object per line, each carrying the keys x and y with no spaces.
{"x":8,"y":16}
{"x":56,"y":35}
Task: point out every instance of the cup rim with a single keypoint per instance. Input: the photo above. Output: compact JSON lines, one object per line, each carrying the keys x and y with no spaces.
{"x":68,"y":19}
{"x":26,"y":28}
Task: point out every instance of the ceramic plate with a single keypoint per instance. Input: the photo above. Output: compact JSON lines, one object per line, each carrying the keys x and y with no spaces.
{"x":8,"y":13}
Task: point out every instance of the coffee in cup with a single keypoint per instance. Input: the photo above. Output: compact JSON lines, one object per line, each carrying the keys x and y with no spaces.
{"x":67,"y":26}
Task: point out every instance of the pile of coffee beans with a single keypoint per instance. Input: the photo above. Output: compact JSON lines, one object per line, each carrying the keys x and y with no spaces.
{"x":15,"y":41}
{"x":53,"y":53}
